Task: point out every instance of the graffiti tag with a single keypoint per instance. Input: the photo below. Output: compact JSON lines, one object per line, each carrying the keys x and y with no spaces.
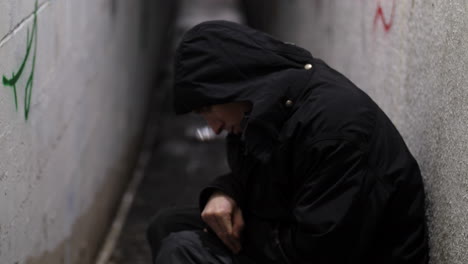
{"x":31,"y":46}
{"x":379,"y":16}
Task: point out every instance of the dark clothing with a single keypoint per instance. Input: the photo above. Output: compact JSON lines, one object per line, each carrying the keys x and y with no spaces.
{"x":176,"y":237}
{"x":321,"y":174}
{"x":170,"y":220}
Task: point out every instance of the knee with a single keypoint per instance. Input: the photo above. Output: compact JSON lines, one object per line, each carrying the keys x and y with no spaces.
{"x":180,"y":240}
{"x":179,"y":247}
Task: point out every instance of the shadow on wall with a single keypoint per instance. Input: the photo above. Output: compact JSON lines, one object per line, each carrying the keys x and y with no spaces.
{"x":261,"y":14}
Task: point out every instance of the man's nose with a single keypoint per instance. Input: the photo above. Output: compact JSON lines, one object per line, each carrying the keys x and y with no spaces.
{"x":216,"y":126}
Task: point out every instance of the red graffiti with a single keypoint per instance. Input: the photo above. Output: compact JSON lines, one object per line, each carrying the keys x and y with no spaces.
{"x":379,"y":14}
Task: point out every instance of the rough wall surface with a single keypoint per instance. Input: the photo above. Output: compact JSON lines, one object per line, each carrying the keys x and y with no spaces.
{"x":412,"y":58}
{"x":75,"y":78}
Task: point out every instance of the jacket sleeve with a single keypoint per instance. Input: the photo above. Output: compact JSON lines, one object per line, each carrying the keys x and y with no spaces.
{"x":227,"y":184}
{"x":327,"y":206}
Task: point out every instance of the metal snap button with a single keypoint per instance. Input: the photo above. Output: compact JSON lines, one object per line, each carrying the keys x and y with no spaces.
{"x":288,"y":103}
{"x":308,"y":66}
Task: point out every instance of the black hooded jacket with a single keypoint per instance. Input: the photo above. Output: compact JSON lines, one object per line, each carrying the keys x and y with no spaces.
{"x":320,"y":172}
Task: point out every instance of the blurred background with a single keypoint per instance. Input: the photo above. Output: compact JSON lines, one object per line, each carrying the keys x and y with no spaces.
{"x":90,"y":148}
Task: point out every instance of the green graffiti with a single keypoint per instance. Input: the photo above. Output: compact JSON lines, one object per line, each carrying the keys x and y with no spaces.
{"x":31,"y":39}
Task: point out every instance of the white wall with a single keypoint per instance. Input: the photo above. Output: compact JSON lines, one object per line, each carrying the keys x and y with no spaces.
{"x":417,"y":71}
{"x":63,"y":168}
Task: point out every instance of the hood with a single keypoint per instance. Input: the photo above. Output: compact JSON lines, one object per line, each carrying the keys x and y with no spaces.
{"x":219,"y":62}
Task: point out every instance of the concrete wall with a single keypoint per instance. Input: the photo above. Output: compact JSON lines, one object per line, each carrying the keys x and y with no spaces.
{"x":412,"y":58}
{"x":69,"y":141}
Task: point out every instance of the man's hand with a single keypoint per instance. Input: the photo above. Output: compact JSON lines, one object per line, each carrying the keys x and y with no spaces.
{"x":224,"y":217}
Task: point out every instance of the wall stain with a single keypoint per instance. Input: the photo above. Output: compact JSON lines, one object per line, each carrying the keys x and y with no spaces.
{"x":31,"y":39}
{"x":87,"y":231}
{"x":90,"y":228}
{"x":379,"y":15}
{"x":114,"y":7}
{"x":144,"y":23}
{"x":3,"y":176}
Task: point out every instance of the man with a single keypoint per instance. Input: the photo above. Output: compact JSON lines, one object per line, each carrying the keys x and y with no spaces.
{"x":319,"y":173}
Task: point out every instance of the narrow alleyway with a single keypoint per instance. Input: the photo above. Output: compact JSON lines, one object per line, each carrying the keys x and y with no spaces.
{"x":180,"y":163}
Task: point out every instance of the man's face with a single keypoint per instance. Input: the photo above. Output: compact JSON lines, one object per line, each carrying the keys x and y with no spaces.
{"x":226,"y":117}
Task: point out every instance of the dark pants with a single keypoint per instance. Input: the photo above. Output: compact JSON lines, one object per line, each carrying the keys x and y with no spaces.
{"x":177,"y":236}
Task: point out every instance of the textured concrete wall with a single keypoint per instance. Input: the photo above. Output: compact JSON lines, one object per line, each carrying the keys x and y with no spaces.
{"x":412,"y":58}
{"x":82,"y":72}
